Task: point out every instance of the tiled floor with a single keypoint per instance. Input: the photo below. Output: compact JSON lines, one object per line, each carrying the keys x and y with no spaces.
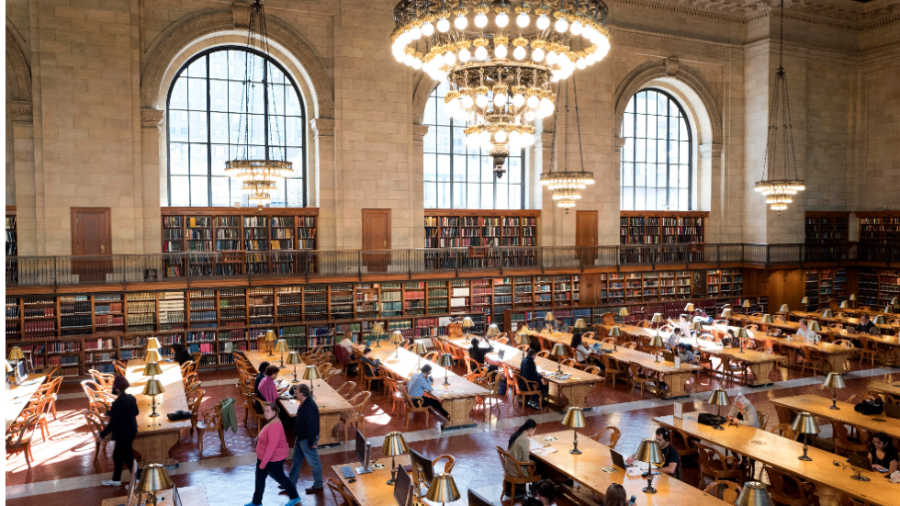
{"x":64,"y":462}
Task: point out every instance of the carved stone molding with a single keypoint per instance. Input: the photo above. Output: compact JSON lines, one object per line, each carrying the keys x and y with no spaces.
{"x":620,"y":142}
{"x":419,"y":131}
{"x":20,"y":110}
{"x":19,"y":74}
{"x":151,"y":118}
{"x":710,"y":150}
{"x":196,"y":26}
{"x":671,"y":64}
{"x":322,"y":127}
{"x":240,"y":14}
{"x":420,"y":97}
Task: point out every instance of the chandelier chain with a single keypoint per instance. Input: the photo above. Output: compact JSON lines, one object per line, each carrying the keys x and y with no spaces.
{"x":556,"y":132}
{"x":578,"y":124}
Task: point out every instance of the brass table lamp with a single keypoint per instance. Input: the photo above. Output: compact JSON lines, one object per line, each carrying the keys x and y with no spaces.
{"x":727,"y":313}
{"x":579,"y":324}
{"x":719,"y":398}
{"x":492,"y":332}
{"x":827,"y":313}
{"x":522,"y":338}
{"x":895,"y":301}
{"x":153,"y":388}
{"x":754,"y":493}
{"x":834,"y":381}
{"x":377,"y":331}
{"x":394,"y":445}
{"x":419,"y":350}
{"x":624,"y":312}
{"x":467,"y":324}
{"x":559,"y":350}
{"x":745,"y":305}
{"x":697,"y":327}
{"x":845,"y":304}
{"x":656,"y":342}
{"x":397,"y":340}
{"x":151,"y":356}
{"x":282,"y":346}
{"x":804,"y":301}
{"x":616,"y":333}
{"x":741,"y":335}
{"x":16,"y":355}
{"x":294,"y":359}
{"x":311,"y":373}
{"x":767,"y":318}
{"x":575,"y":419}
{"x":814,"y":326}
{"x":446,"y":361}
{"x":889,"y":309}
{"x":784,"y":309}
{"x":805,"y":424}
{"x":658,"y":319}
{"x":549,"y":319}
{"x":853,"y":298}
{"x":689,"y":308}
{"x":879,"y":320}
{"x":152,"y":343}
{"x":152,"y":369}
{"x":153,"y":479}
{"x":650,"y":453}
{"x":442,"y":489}
{"x":270,"y":338}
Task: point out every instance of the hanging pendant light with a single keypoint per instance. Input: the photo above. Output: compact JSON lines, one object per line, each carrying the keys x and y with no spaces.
{"x":779,"y":187}
{"x":566,"y":185}
{"x":259,"y":176}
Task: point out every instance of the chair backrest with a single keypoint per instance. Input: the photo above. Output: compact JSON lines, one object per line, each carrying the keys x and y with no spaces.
{"x":338,"y":487}
{"x":432,"y":356}
{"x":543,"y":354}
{"x":728,"y":491}
{"x":592,"y":369}
{"x":346,"y":388}
{"x":448,"y":467}
{"x":507,"y":458}
{"x":630,"y":345}
{"x":408,"y":398}
{"x":360,"y":400}
{"x":19,"y":429}
{"x":763,"y":420}
{"x":612,"y":435}
{"x":787,"y":486}
{"x":710,"y":458}
{"x":522,"y":383}
{"x":94,"y":422}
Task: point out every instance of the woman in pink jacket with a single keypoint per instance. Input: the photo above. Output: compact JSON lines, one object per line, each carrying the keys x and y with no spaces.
{"x":271,"y":451}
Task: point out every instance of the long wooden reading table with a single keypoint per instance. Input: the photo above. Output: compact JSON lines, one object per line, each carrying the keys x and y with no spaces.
{"x":834,"y":354}
{"x":371,"y":489}
{"x":820,"y":406}
{"x":331,"y":404}
{"x":18,"y":396}
{"x":781,"y":453}
{"x":157,"y":436}
{"x":190,"y":496}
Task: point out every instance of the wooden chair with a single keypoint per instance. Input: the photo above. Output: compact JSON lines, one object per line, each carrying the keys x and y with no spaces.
{"x":413,"y":405}
{"x":490,"y":381}
{"x":763,"y":420}
{"x":338,"y":488}
{"x":196,"y":358}
{"x":544,"y":354}
{"x":256,"y":402}
{"x":784,"y":430}
{"x":120,"y":367}
{"x":868,"y":350}
{"x":727,"y":491}
{"x":718,"y":466}
{"x":843,"y":441}
{"x":357,"y":417}
{"x":570,"y":362}
{"x":503,"y":340}
{"x":19,"y":436}
{"x":95,"y":424}
{"x":391,"y":385}
{"x":52,"y":393}
{"x":685,"y":445}
{"x":324,"y":369}
{"x":593,"y":369}
{"x":211,"y":419}
{"x":368,"y":377}
{"x":104,"y":380}
{"x":448,"y":466}
{"x":526,"y":472}
{"x":614,"y":435}
{"x":614,"y":368}
{"x":525,"y":388}
{"x":346,"y":389}
{"x":812,"y":359}
{"x":38,"y":407}
{"x":187,"y":368}
{"x":637,"y":378}
{"x":523,"y":348}
{"x":791,"y":490}
{"x":194,"y":399}
{"x":629,"y":345}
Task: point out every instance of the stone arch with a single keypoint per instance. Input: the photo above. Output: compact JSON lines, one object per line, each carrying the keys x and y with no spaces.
{"x":211,"y":28}
{"x":420,"y":97}
{"x":18,"y":73}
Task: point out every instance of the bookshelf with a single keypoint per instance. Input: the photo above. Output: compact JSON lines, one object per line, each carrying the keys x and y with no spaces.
{"x":662,"y":227}
{"x":639,"y":287}
{"x":238,"y":229}
{"x":880,"y":227}
{"x":822,"y":285}
{"x":461,"y":228}
{"x":824,"y":227}
{"x":12,"y":245}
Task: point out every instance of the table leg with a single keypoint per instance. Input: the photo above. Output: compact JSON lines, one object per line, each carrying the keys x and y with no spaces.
{"x":154,"y":447}
{"x":761,"y":372}
{"x":576,"y":394}
{"x":459,"y":409}
{"x":675,"y":381}
{"x":327,"y":422}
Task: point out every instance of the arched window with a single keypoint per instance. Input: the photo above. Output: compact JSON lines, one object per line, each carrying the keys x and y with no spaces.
{"x":657,"y":171}
{"x":459,"y":177}
{"x":206,"y":128}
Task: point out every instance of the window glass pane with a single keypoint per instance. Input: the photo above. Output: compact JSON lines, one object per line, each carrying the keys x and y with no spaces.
{"x":198,"y":126}
{"x":641,"y":150}
{"x":661,"y":154}
{"x":515,"y":196}
{"x":219,"y":157}
{"x":430,"y":195}
{"x":459,"y":195}
{"x":683,"y":200}
{"x":503,"y":197}
{"x":443,"y":139}
{"x":276,"y":99}
{"x":199,"y":160}
{"x":459,"y":138}
{"x":178,"y":126}
{"x":515,"y":170}
{"x":430,"y":117}
{"x":218,"y":65}
{"x":443,"y":168}
{"x":257,"y":100}
{"x":639,"y":198}
{"x":628,"y":174}
{"x":275,"y":75}
{"x":198,"y":68}
{"x":197,"y":94}
{"x":459,"y":167}
{"x":683,"y":181}
{"x":651,"y":103}
{"x":429,"y":142}
{"x":640,"y":174}
{"x":651,"y":199}
{"x":257,"y":129}
{"x":683,"y":150}
{"x":219,"y":126}
{"x":673,"y":199}
{"x":487,"y":169}
{"x":630,"y":106}
{"x":179,"y":189}
{"x":430,"y":164}
{"x":628,"y":201}
{"x":487,"y":196}
{"x":640,"y":124}
{"x":294,"y":192}
{"x":474,"y":195}
{"x":651,"y":150}
{"x":628,"y":150}
{"x":442,"y":117}
{"x":294,"y":135}
{"x":199,"y":195}
{"x":178,"y":98}
{"x":236,"y":96}
{"x":661,"y":200}
{"x":292,"y":103}
{"x":178,"y":158}
{"x":220,"y":191}
{"x":444,"y":195}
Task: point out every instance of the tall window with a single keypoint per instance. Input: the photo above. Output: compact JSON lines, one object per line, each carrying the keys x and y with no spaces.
{"x":206,"y":123}
{"x":656,"y":159}
{"x":459,"y":177}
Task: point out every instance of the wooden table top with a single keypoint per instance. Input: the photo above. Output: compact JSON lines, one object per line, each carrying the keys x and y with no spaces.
{"x":556,"y":336}
{"x":327,"y":398}
{"x":706,"y":346}
{"x":840,"y":318}
{"x":371,"y":489}
{"x":782,"y":453}
{"x":887,"y":340}
{"x":405,"y":363}
{"x":819,"y":406}
{"x":191,"y":496}
{"x":587,"y":469}
{"x":823,"y":347}
{"x":18,"y":397}
{"x":172,"y":400}
{"x":881,"y":386}
{"x":513,"y":358}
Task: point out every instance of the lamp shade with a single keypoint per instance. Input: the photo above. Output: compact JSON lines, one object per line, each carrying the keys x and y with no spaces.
{"x":442,"y":489}
{"x":446,"y":360}
{"x":827,"y":314}
{"x":784,"y":309}
{"x":879,"y":320}
{"x":814,"y":326}
{"x":467,"y":322}
{"x":153,"y":387}
{"x":493,"y":331}
{"x":895,"y":301}
{"x":397,"y":337}
{"x":310,"y":373}
{"x":649,"y":452}
{"x":658,"y":318}
{"x":522,"y":338}
{"x":727,"y":313}
{"x":844,"y":304}
{"x":151,"y":356}
{"x":615,"y":332}
{"x":152,"y":343}
{"x":719,"y":397}
{"x":7,"y":366}
{"x":281,"y":345}
{"x":656,"y":341}
{"x":689,"y":308}
{"x":294,"y":358}
{"x":767,"y":318}
{"x":579,"y":324}
{"x":696,"y":326}
{"x":548,"y":317}
{"x":559,"y":350}
{"x":378,"y":328}
{"x":746,"y":303}
{"x":754,"y":493}
{"x":834,"y":380}
{"x":420,"y":348}
{"x":574,"y":418}
{"x":270,"y":336}
{"x":888,"y":309}
{"x":804,"y":300}
{"x":742,"y":333}
{"x":624,"y":312}
{"x":152,"y":369}
{"x":154,"y":478}
{"x":852,"y":297}
{"x":805,"y":423}
{"x":394,"y":445}
{"x":15,"y":353}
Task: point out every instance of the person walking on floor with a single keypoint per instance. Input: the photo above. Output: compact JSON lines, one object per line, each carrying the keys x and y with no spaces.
{"x":123,"y":426}
{"x":271,"y":452}
{"x":306,"y":446}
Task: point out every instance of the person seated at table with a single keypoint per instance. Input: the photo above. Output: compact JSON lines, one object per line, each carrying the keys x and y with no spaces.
{"x":729,"y":340}
{"x":805,"y":334}
{"x":615,"y":496}
{"x":519,"y":447}
{"x":700,"y":316}
{"x":545,"y":492}
{"x":684,"y":323}
{"x":477,"y":353}
{"x":182,"y":356}
{"x":672,"y":461}
{"x":865,"y":326}
{"x":882,"y":453}
{"x":685,"y":354}
{"x":577,"y":344}
{"x":743,"y":412}
{"x":268,"y":388}
{"x":528,"y":371}
{"x":370,"y":365}
{"x":419,"y":383}
{"x":674,"y":339}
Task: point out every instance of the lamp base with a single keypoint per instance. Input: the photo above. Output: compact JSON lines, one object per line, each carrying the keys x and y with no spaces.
{"x":575,"y":451}
{"x":859,"y":477}
{"x":834,"y":407}
{"x":805,"y":458}
{"x":649,"y":490}
{"x":718,"y":427}
{"x":154,"y":414}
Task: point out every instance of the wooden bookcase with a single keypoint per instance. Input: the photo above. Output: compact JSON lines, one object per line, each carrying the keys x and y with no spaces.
{"x":461,"y":228}
{"x":238,"y":229}
{"x":662,"y":227}
{"x":639,"y":287}
{"x":822,"y":285}
{"x":12,"y":245}
{"x":879,"y":227}
{"x":824,"y":227}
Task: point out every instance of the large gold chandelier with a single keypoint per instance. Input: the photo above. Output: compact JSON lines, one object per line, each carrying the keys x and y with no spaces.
{"x":566,"y":185}
{"x":500,"y":71}
{"x":258,"y":177}
{"x":779,"y":191}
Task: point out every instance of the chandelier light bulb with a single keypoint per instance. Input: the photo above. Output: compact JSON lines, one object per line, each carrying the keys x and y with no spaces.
{"x":415,"y":33}
{"x":460,"y":22}
{"x":443,"y":25}
{"x":581,"y":64}
{"x":467,"y":101}
{"x":561,"y":25}
{"x":449,"y":58}
{"x":519,"y":53}
{"x":481,"y":20}
{"x":500,"y":51}
{"x":537,"y":55}
{"x":398,"y":55}
{"x":437,"y":62}
{"x":472,"y":140}
{"x":523,"y":19}
{"x":552,"y":57}
{"x":428,"y":29}
{"x":543,"y":22}
{"x":481,"y":101}
{"x":518,"y":100}
{"x":408,"y":59}
{"x":484,"y":138}
{"x":481,"y":53}
{"x":534,"y":102}
{"x":502,"y":20}
{"x":588,"y":32}
{"x":417,"y":63}
{"x":576,"y":28}
{"x":515,"y":139}
{"x":500,"y":136}
{"x":500,"y":99}
{"x":464,"y":55}
{"x":546,"y":107}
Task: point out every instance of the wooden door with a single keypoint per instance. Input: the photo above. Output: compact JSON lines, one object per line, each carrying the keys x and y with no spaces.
{"x":586,"y":235}
{"x":376,"y":235}
{"x":91,"y":236}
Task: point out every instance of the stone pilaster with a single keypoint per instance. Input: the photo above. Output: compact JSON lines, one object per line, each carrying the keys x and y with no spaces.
{"x":326,"y":180}
{"x":417,"y":203}
{"x":712,"y":196}
{"x":155,"y":182}
{"x":27,"y":185}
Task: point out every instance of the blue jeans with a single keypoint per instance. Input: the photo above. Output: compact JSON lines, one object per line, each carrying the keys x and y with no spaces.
{"x":301,"y":451}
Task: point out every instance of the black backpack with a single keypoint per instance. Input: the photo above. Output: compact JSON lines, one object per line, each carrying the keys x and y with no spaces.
{"x":875,"y":407}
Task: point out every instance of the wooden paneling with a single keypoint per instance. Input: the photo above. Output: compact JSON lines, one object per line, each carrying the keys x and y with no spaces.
{"x":782,"y":287}
{"x":91,"y":233}
{"x":376,"y":229}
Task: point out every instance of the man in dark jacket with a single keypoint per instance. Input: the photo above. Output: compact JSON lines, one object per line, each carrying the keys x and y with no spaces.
{"x":181,"y":354}
{"x":306,"y":446}
{"x":259,"y":377}
{"x":123,"y":426}
{"x":370,"y":366}
{"x":528,"y":371}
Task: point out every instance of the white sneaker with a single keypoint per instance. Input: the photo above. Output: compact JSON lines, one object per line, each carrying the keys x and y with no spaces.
{"x":111,"y":483}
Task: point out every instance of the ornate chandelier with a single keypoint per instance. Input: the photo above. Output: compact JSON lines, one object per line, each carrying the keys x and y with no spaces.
{"x":500,"y":72}
{"x":258,"y":177}
{"x":779,"y":191}
{"x":566,"y":185}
